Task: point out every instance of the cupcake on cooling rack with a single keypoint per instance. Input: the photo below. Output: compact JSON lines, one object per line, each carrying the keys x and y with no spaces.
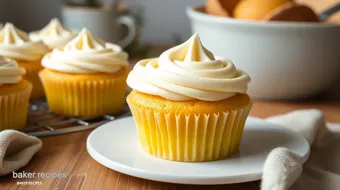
{"x":189,"y":105}
{"x":86,"y":77}
{"x":53,"y":35}
{"x":15,"y":45}
{"x":14,"y":95}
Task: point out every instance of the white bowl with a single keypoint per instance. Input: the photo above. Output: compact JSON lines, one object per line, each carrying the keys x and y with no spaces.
{"x":285,"y":60}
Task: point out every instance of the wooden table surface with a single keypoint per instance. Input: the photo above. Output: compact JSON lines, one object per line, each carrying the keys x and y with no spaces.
{"x":67,"y":154}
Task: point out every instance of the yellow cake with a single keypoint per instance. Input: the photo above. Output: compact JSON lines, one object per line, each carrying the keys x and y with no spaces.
{"x":54,"y":34}
{"x":86,"y":77}
{"x":189,"y":105}
{"x":14,"y":95}
{"x":15,"y":45}
{"x":174,"y":130}
{"x":84,"y":95}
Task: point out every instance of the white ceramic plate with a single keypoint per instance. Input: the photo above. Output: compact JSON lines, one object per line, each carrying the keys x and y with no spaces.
{"x":116,"y":146}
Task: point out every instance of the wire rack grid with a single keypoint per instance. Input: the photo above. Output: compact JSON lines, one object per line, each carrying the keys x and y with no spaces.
{"x":41,"y":122}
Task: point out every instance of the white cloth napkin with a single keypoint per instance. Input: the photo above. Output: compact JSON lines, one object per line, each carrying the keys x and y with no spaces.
{"x":285,"y":170}
{"x":16,"y":150}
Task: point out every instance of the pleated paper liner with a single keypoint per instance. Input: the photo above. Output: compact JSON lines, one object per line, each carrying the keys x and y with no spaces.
{"x":84,"y":98}
{"x":14,"y":107}
{"x":32,"y":75}
{"x":190,"y":138}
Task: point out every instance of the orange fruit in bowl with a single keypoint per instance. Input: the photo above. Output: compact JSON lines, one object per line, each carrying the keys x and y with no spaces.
{"x":293,"y":12}
{"x":256,"y":9}
{"x":221,"y":7}
{"x":321,"y":5}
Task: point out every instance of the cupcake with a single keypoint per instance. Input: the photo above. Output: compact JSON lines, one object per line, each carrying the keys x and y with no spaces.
{"x":189,"y":105}
{"x":14,"y":95}
{"x":15,"y":45}
{"x":86,"y":77}
{"x":53,"y":35}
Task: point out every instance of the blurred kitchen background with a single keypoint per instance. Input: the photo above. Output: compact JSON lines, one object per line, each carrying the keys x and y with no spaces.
{"x":163,"y":21}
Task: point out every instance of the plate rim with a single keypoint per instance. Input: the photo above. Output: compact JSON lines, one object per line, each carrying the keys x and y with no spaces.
{"x":177,"y":179}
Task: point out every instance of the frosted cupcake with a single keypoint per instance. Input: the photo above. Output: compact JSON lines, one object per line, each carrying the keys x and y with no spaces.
{"x":189,"y":105}
{"x":86,"y":77}
{"x":53,"y":35}
{"x":15,"y":45}
{"x":14,"y":95}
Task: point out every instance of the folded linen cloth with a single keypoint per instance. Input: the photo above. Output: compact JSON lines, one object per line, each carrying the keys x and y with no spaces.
{"x":16,"y":150}
{"x":285,"y":170}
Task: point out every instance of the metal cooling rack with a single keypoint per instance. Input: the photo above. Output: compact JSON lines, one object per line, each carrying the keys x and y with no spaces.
{"x":41,"y":122}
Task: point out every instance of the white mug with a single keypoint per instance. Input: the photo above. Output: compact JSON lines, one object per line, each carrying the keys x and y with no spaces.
{"x":103,"y":22}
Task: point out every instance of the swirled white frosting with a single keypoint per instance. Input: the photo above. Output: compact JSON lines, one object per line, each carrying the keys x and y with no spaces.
{"x":10,"y":72}
{"x":15,"y":44}
{"x":54,"y":34}
{"x":187,"y":72}
{"x":86,"y":54}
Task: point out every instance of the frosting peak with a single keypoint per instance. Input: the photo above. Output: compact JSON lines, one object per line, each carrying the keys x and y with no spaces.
{"x":15,"y":44}
{"x":54,"y":34}
{"x":85,"y":42}
{"x":10,"y":72}
{"x":12,"y":35}
{"x":196,"y":51}
{"x":53,"y":28}
{"x":86,"y":54}
{"x":186,"y":72}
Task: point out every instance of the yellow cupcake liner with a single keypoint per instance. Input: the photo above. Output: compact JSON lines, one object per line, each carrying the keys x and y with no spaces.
{"x":190,"y":137}
{"x":32,"y":75}
{"x":13,"y":108}
{"x":84,"y":98}
{"x":38,"y":89}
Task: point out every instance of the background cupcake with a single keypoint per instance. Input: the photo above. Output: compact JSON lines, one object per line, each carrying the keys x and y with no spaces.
{"x":86,"y":77}
{"x":14,"y":95}
{"x":15,"y":45}
{"x":53,"y":35}
{"x":189,"y":105}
